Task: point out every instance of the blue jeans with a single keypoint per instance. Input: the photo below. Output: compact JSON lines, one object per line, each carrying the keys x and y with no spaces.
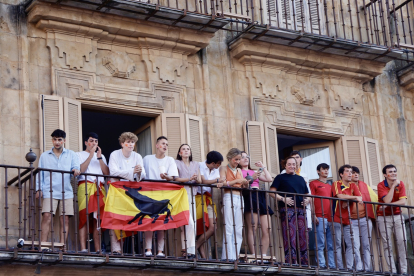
{"x":320,"y":243}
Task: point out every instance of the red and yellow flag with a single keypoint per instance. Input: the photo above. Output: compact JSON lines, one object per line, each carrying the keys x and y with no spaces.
{"x":92,"y":200}
{"x":145,"y":206}
{"x":202,"y":211}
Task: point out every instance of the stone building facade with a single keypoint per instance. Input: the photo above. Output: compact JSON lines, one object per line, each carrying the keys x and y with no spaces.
{"x":61,"y":64}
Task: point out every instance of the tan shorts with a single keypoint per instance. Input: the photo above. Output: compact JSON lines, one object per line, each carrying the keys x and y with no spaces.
{"x":210,"y":212}
{"x":56,"y":202}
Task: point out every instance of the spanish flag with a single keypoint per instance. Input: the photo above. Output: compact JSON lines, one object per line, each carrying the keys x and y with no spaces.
{"x":202,"y":211}
{"x":145,"y":206}
{"x":92,"y":192}
{"x":368,"y":194}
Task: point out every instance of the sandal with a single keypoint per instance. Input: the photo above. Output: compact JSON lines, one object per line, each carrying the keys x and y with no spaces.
{"x":117,"y":252}
{"x":185,"y":254}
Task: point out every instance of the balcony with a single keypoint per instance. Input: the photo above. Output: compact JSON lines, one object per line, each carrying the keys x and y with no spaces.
{"x":22,"y":217}
{"x":380,"y":30}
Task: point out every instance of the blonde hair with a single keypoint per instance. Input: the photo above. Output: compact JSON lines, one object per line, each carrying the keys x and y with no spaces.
{"x":233,"y":153}
{"x":127,"y":136}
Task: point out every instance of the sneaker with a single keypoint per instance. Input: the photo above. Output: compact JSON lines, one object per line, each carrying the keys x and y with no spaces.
{"x":148,"y":254}
{"x":160,"y":255}
{"x":84,"y":251}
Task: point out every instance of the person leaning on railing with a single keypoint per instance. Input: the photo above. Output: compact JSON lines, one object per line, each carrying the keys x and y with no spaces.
{"x":322,"y":216}
{"x":346,"y":189}
{"x":292,"y":212}
{"x":392,"y":191}
{"x":58,"y":158}
{"x":128,"y":166}
{"x":94,"y":162}
{"x":257,"y":198}
{"x":161,"y":167}
{"x":232,"y":201}
{"x":210,"y":174}
{"x":363,"y":227}
{"x":188,"y":172}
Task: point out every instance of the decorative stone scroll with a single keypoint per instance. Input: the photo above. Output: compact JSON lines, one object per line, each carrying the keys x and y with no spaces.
{"x":119,"y":64}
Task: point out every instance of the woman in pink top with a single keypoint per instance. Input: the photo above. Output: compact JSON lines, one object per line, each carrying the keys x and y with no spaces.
{"x":250,"y":210}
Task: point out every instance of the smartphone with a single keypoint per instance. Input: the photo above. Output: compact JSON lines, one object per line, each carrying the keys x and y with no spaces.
{"x":96,"y":149}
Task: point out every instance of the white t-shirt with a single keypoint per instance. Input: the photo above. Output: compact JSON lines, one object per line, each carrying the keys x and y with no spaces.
{"x":123,"y":167}
{"x":208,"y":175}
{"x":94,"y":166}
{"x":152,"y":166}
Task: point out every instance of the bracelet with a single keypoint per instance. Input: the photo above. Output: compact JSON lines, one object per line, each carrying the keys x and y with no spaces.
{"x":99,"y":158}
{"x":217,"y":180}
{"x":228,"y":185}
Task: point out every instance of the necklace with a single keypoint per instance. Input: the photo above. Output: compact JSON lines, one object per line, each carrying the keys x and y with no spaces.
{"x":235,"y":169}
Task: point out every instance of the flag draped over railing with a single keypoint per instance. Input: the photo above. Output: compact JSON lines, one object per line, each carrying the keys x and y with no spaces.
{"x":145,"y":206}
{"x":92,"y":193}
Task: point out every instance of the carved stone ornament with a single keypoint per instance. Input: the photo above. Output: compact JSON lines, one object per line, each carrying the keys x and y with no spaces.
{"x":119,"y":64}
{"x":307,"y":96}
{"x":268,"y":84}
{"x":347,"y":97}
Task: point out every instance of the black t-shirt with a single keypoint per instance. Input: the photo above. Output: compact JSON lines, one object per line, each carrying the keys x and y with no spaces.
{"x":290,"y":183}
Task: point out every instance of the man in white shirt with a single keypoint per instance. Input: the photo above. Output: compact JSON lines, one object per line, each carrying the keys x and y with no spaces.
{"x":128,"y":166}
{"x":91,"y":161}
{"x":159,"y":167}
{"x":210,"y":174}
{"x":296,"y":154}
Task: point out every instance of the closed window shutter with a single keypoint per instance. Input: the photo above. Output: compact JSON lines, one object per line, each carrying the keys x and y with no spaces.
{"x":254,"y":142}
{"x":51,"y":118}
{"x":373,"y":161}
{"x":272,"y":153}
{"x":316,"y":21}
{"x":73,"y":124}
{"x":173,"y":127}
{"x":354,"y":155}
{"x":195,"y":137}
{"x":272,"y":7}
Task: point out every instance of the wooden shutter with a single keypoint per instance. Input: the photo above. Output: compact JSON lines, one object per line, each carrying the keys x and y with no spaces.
{"x":373,"y":161}
{"x":354,"y":155}
{"x":51,"y":118}
{"x":173,"y":127}
{"x":272,"y":153}
{"x":285,"y":13}
{"x":272,"y":7}
{"x":254,"y":142}
{"x":195,"y":137}
{"x":73,"y":124}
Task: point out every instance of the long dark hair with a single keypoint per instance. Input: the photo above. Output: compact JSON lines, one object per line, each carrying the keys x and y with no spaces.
{"x":248,"y":166}
{"x":178,"y":153}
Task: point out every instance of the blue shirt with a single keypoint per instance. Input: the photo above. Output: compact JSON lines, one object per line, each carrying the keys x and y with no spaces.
{"x":67,"y":161}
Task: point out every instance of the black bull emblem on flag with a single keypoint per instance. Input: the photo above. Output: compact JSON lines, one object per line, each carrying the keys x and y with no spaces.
{"x":148,"y":206}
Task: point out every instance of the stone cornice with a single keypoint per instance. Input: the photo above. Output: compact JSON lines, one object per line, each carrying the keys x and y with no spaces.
{"x":115,"y":29}
{"x":406,"y":78}
{"x":304,"y":62}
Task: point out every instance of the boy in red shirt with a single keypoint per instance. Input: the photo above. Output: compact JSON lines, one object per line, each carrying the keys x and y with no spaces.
{"x":322,"y":216}
{"x":345,"y":189}
{"x":392,"y":191}
{"x":362,"y":218}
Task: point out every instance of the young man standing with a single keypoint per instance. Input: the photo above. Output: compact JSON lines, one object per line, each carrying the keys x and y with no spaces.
{"x":94,"y":162}
{"x":54,"y":193}
{"x":159,"y":167}
{"x":210,"y":174}
{"x":363,"y":225}
{"x":346,"y":189}
{"x":392,"y":191}
{"x":128,"y":166}
{"x":322,"y":216}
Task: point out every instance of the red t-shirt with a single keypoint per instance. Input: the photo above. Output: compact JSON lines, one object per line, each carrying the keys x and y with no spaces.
{"x":341,"y":214}
{"x":399,"y":192}
{"x":319,"y":188}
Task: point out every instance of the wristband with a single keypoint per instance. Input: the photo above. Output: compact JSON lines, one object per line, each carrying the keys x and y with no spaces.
{"x":228,"y":185}
{"x":217,"y":180}
{"x":99,"y":158}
